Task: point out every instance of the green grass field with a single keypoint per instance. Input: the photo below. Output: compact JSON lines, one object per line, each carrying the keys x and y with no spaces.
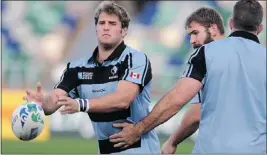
{"x":67,"y":146}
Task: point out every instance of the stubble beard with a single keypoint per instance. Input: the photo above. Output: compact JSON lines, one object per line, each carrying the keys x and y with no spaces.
{"x":107,"y":46}
{"x":207,"y":40}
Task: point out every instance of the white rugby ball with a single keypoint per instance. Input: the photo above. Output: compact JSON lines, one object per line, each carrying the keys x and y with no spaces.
{"x":28,"y":121}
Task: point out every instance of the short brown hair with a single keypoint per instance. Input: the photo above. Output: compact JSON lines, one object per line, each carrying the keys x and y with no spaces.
{"x":206,"y":17}
{"x":113,"y":8}
{"x":247,"y":15}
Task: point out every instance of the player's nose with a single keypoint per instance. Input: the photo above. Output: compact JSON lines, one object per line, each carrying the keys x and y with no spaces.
{"x":192,"y":40}
{"x":106,"y":27}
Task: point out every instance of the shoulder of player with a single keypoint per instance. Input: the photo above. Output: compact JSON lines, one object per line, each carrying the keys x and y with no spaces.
{"x":135,"y":54}
{"x":78,"y":62}
{"x":216,"y":44}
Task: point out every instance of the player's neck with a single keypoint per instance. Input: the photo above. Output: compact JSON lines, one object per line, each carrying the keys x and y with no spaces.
{"x":103,"y":53}
{"x":233,"y":30}
{"x":219,"y":37}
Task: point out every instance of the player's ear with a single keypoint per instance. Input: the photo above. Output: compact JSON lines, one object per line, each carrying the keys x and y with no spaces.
{"x":124,"y":31}
{"x":213,"y":30}
{"x":231,"y":24}
{"x":259,"y":29}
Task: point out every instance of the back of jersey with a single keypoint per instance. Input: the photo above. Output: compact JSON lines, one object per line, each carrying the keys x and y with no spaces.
{"x":233,"y":113}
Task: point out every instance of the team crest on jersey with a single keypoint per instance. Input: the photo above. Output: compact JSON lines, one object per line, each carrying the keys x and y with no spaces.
{"x":114,"y":72}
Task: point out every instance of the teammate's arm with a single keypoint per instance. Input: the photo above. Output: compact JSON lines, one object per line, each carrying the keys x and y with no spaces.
{"x":185,"y":90}
{"x":188,"y":126}
{"x":172,"y":102}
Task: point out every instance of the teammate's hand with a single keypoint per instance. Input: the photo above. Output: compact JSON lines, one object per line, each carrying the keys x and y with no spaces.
{"x":36,"y":96}
{"x":70,"y":105}
{"x":127,"y":137}
{"x":168,"y":148}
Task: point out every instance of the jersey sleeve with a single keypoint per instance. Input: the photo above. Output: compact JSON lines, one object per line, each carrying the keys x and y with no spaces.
{"x":68,"y":80}
{"x":138,"y":69}
{"x":196,"y":99}
{"x":196,"y":65}
{"x":73,"y":94}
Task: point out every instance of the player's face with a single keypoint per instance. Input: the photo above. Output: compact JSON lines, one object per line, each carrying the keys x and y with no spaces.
{"x":109,"y":30}
{"x":199,"y":34}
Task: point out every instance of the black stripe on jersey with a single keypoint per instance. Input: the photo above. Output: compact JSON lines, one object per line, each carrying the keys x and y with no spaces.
{"x":62,"y":76}
{"x":107,"y":147}
{"x":124,"y":67}
{"x":109,"y":117}
{"x":101,"y":75}
{"x":131,"y":60}
{"x":144,"y":71}
{"x":189,"y":69}
{"x":148,"y":76}
{"x":126,"y":64}
{"x":197,"y":70}
{"x":199,"y":97}
{"x":69,"y":79}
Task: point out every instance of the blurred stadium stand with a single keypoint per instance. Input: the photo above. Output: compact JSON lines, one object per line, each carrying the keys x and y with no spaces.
{"x":39,"y":37}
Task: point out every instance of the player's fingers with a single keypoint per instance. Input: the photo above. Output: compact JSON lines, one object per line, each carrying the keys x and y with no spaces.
{"x":62,"y":98}
{"x":25,"y":98}
{"x":125,"y":146}
{"x":39,"y":88}
{"x":117,"y":140}
{"x":28,"y":92}
{"x":121,"y":144}
{"x":65,"y":112}
{"x":119,"y":125}
{"x":62,"y":103}
{"x":66,"y":108}
{"x":30,"y":95}
{"x":117,"y":135}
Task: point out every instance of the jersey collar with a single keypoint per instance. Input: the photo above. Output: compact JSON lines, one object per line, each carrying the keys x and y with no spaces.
{"x":245,"y":35}
{"x":115,"y":54}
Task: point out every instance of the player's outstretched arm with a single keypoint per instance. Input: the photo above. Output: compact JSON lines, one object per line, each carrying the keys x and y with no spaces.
{"x":48,"y":101}
{"x":188,"y":126}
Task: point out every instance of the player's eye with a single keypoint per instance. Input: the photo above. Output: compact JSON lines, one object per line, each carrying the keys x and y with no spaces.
{"x":194,"y":33}
{"x":113,"y":23}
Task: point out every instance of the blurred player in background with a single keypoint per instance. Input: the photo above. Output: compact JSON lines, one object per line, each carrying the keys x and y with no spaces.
{"x":233,"y":107}
{"x":111,"y":84}
{"x":203,"y":26}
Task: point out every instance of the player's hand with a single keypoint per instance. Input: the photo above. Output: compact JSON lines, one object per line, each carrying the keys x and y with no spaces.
{"x":36,"y":96}
{"x":70,"y":105}
{"x":168,"y":148}
{"x":127,"y":137}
